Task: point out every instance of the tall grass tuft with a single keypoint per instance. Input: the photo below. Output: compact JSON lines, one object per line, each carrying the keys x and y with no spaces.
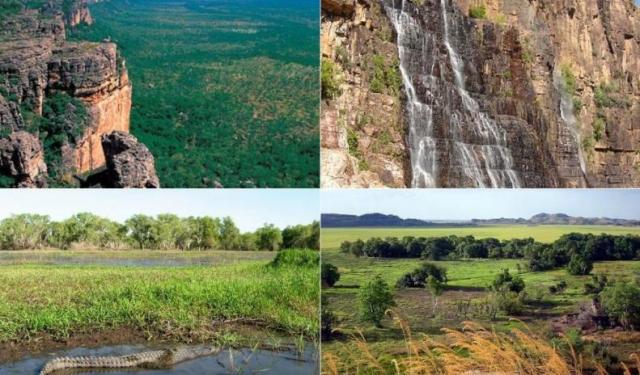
{"x":297,"y":258}
{"x":473,"y":350}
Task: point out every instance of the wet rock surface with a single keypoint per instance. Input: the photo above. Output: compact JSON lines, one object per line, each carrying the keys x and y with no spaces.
{"x":361,"y":126}
{"x":535,"y":93}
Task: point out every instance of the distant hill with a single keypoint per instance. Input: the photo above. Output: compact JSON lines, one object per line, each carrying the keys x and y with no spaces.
{"x":382,"y":220}
{"x":370,"y":220}
{"x":559,"y":219}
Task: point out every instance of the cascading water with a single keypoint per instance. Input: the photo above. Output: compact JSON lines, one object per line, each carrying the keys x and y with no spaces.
{"x":474,"y":144}
{"x":569,"y":132}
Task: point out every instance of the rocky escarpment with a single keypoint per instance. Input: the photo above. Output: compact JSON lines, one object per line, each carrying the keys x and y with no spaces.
{"x":66,"y":95}
{"x":519,"y":93}
{"x":362,"y":128}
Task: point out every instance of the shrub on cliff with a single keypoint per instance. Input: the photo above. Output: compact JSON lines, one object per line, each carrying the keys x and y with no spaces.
{"x":329,"y":79}
{"x":478,"y":11}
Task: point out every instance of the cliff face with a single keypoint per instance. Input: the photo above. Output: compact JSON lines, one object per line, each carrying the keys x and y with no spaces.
{"x":529,"y":93}
{"x":67,"y":95}
{"x":361,"y":124}
{"x":90,"y":72}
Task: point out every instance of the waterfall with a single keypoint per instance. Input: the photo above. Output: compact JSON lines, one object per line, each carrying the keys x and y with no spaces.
{"x":569,"y":131}
{"x":473,"y":143}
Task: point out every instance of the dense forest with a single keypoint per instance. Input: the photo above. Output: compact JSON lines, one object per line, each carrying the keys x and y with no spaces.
{"x":163,"y":232}
{"x":576,"y":251}
{"x":224,"y":93}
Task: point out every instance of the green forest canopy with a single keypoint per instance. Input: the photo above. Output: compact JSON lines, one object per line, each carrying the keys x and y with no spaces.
{"x":164,"y":232}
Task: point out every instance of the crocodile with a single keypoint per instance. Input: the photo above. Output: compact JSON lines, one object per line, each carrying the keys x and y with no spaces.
{"x":154,"y":359}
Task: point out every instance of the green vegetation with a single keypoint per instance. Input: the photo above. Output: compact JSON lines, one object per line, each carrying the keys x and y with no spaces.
{"x":605,"y":96}
{"x":569,"y":86}
{"x":598,"y":128}
{"x":575,"y":251}
{"x":375,"y":299}
{"x":330,"y":80}
{"x":478,"y":11}
{"x":333,"y":237}
{"x":385,"y":76}
{"x":9,"y":8}
{"x":178,"y":303}
{"x":221,"y":93}
{"x":484,"y":280}
{"x":297,"y":258}
{"x":621,"y":301}
{"x":63,"y":122}
{"x":329,"y":274}
{"x":165,"y":232}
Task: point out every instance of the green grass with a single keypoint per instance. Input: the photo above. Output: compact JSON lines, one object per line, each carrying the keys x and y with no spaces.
{"x":333,"y":237}
{"x":210,"y":257}
{"x":178,"y":302}
{"x":221,"y":91}
{"x":466,"y":288}
{"x":466,"y":280}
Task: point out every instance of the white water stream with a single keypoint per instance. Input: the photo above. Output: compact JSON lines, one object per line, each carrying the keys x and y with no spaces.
{"x":488,"y":163}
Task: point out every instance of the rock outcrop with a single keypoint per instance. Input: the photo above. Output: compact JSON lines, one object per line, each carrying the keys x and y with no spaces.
{"x":528,"y":93}
{"x":22,"y":158}
{"x":38,"y":64}
{"x":362,"y":129}
{"x":129,"y":163}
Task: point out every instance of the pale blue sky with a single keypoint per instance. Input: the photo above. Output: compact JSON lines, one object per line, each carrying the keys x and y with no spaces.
{"x":249,"y":208}
{"x":442,"y":204}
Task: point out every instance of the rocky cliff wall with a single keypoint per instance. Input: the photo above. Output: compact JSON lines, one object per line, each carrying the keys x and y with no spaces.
{"x":36,"y":65}
{"x":555,"y":84}
{"x":361,"y":124}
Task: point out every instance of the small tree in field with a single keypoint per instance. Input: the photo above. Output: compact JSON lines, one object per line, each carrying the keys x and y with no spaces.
{"x":375,"y":299}
{"x":329,"y":274}
{"x":579,"y":265}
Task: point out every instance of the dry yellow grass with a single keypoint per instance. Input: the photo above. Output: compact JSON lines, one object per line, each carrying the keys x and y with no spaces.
{"x":473,"y":350}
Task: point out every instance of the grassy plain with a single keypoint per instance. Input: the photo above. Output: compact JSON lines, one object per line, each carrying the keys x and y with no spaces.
{"x":179,"y":303}
{"x":333,"y":237}
{"x":465,"y":292}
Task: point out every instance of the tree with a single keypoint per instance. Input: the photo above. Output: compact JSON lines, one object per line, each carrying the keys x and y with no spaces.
{"x":475,"y":250}
{"x":143,"y":230}
{"x":329,"y":274}
{"x":247,"y":242}
{"x":268,"y":237}
{"x":504,"y":281}
{"x":375,"y":299}
{"x":438,"y":248}
{"x":24,"y":231}
{"x":579,"y":265}
{"x":208,"y":230}
{"x":229,"y":234}
{"x":419,"y":277}
{"x":620,"y":301}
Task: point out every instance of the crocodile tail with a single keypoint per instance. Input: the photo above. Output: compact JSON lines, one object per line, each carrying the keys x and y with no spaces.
{"x":99,"y":362}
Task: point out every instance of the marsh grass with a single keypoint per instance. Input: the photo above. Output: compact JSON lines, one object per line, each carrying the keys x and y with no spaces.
{"x":171,"y":303}
{"x":470,"y":350}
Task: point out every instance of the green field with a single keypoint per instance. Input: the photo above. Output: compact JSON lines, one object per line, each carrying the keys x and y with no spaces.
{"x":333,"y":237}
{"x":466,"y":295}
{"x":222,"y":90}
{"x":176,"y":303}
